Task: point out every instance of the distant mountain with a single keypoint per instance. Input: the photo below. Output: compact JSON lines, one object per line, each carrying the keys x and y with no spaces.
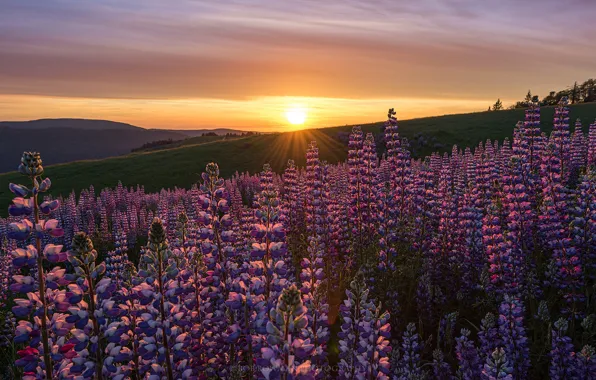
{"x":81,"y":124}
{"x":66,"y":140}
{"x":199,"y":132}
{"x":81,"y":139}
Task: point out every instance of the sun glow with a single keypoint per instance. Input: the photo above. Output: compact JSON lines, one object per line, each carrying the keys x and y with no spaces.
{"x":296,"y":115}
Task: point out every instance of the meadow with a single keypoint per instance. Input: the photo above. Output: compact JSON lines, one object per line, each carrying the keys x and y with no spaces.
{"x":410,"y":250}
{"x":181,"y":165}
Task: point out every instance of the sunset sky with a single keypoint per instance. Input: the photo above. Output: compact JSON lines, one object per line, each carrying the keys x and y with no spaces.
{"x":223,"y":63}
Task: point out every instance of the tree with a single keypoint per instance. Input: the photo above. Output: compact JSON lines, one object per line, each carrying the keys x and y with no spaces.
{"x":550,"y":99}
{"x":498,"y":105}
{"x":588,"y":91}
{"x":575,"y":94}
{"x":528,"y":98}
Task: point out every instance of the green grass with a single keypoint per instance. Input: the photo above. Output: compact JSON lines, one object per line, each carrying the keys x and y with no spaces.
{"x":197,"y":140}
{"x":469,"y":129}
{"x":181,"y":166}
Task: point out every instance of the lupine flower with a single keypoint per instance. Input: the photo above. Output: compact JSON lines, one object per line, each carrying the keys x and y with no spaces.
{"x":497,"y":366}
{"x":286,"y":349}
{"x":409,"y":366}
{"x":88,"y":318}
{"x":43,"y":294}
{"x":585,"y":363}
{"x":561,"y":354}
{"x":315,"y":300}
{"x":441,"y":369}
{"x":513,"y":335}
{"x":467,"y":356}
{"x":159,"y":270}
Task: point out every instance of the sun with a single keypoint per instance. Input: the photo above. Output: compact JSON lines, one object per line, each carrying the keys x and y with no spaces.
{"x":296,"y":115}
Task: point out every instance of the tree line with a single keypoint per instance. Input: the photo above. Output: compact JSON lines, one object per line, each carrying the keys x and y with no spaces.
{"x":578,"y":93}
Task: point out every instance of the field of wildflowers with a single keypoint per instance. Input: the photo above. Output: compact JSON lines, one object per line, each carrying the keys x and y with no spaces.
{"x":476,"y":265}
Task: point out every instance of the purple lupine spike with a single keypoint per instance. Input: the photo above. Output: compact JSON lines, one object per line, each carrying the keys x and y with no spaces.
{"x":358,"y":190}
{"x":592,"y":145}
{"x":377,"y":341}
{"x":217,"y":247}
{"x":585,"y":363}
{"x":88,"y":318}
{"x":292,"y":207}
{"x":520,"y":222}
{"x":409,"y":366}
{"x":578,"y":148}
{"x":354,"y":316}
{"x":424,"y":203}
{"x":497,"y":366}
{"x":286,"y":355}
{"x":470,"y":365}
{"x":159,"y":270}
{"x":364,"y":338}
{"x":269,"y":238}
{"x":473,"y":250}
{"x":530,"y":145}
{"x":42,"y":325}
{"x":370,"y":179}
{"x":399,"y":166}
{"x":583,"y":224}
{"x":315,"y":300}
{"x":512,"y":335}
{"x":560,"y":137}
{"x":488,"y":336}
{"x":446,"y":333}
{"x":565,"y":268}
{"x":499,"y":252}
{"x":561,"y":354}
{"x":440,"y":369}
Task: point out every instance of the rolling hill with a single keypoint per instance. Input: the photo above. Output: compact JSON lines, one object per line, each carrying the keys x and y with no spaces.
{"x":61,"y":144}
{"x":199,"y":132}
{"x":81,"y":139}
{"x":81,"y":124}
{"x":181,"y":166}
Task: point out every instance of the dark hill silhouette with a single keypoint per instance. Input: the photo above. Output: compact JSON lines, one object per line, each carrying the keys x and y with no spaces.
{"x":70,"y":144}
{"x":81,"y":124}
{"x":81,"y":139}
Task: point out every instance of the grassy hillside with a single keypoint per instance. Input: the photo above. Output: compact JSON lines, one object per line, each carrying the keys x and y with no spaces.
{"x":60,"y":145}
{"x":197,"y":140}
{"x":469,"y":129}
{"x":182,"y":166}
{"x":199,"y":132}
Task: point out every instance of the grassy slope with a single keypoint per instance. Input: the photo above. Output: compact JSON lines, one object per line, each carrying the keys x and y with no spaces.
{"x":188,"y":141}
{"x":469,"y":129}
{"x":181,"y":166}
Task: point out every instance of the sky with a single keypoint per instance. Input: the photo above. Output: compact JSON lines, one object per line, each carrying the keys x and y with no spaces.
{"x":243,"y":63}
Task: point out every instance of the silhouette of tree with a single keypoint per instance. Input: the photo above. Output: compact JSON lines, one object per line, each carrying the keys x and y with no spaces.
{"x":575,"y":94}
{"x":528,"y":98}
{"x":585,"y":92}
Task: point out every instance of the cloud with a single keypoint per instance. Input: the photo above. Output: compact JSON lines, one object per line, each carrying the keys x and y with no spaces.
{"x":154,"y":49}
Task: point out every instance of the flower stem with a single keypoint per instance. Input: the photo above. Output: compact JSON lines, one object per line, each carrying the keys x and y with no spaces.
{"x":42,"y":292}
